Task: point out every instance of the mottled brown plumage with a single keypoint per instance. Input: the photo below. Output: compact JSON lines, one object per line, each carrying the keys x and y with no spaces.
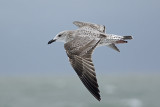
{"x":79,"y":46}
{"x":80,"y":59}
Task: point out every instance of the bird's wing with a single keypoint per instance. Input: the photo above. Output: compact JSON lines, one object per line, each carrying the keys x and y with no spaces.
{"x":79,"y":51}
{"x":100,"y":28}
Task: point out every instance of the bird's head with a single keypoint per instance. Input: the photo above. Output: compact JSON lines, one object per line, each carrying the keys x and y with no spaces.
{"x":59,"y":37}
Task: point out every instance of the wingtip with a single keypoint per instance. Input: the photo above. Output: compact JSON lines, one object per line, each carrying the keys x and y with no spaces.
{"x":99,"y":99}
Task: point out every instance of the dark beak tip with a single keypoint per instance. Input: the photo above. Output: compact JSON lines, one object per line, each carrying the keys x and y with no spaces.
{"x":51,"y":41}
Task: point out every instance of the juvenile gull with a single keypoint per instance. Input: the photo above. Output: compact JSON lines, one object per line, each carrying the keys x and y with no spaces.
{"x":79,"y":45}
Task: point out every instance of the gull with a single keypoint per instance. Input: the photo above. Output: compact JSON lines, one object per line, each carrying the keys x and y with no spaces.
{"x":80,"y":44}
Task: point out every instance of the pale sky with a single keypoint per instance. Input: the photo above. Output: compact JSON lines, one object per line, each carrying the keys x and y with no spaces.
{"x":27,"y":25}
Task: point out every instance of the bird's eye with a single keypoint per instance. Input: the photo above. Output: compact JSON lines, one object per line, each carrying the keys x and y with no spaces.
{"x":59,"y":35}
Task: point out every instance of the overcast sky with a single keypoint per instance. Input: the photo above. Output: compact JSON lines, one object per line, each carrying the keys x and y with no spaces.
{"x":27,"y":25}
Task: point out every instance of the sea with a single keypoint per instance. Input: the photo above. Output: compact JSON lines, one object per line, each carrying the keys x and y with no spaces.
{"x":117,"y":90}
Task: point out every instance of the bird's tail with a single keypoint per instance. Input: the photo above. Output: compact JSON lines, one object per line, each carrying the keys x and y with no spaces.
{"x":127,"y":37}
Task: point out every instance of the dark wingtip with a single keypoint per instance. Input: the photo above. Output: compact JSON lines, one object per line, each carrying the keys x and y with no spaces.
{"x":53,"y":40}
{"x":127,"y":37}
{"x":99,"y":99}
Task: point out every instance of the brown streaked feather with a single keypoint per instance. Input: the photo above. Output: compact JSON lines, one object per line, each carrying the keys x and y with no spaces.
{"x":80,"y":59}
{"x":100,"y":28}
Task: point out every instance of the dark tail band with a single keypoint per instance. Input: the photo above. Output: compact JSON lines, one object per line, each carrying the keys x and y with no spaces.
{"x":127,"y":37}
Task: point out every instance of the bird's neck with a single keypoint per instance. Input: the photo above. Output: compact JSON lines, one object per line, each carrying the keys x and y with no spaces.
{"x":69,"y":35}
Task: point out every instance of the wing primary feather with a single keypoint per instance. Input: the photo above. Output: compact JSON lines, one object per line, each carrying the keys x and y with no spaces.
{"x":89,"y":68}
{"x":92,"y":79}
{"x":96,"y":95}
{"x":80,"y":59}
{"x":94,"y":88}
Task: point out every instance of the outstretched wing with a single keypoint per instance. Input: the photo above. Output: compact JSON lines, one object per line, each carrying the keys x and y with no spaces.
{"x":79,"y":52}
{"x":100,"y":28}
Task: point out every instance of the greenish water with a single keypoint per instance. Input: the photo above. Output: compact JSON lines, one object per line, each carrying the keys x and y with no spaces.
{"x":132,"y":90}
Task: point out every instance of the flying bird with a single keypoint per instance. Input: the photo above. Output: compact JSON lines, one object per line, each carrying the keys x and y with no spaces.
{"x":79,"y":45}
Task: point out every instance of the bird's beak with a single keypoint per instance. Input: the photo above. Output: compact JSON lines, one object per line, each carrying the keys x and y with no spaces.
{"x":53,"y":40}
